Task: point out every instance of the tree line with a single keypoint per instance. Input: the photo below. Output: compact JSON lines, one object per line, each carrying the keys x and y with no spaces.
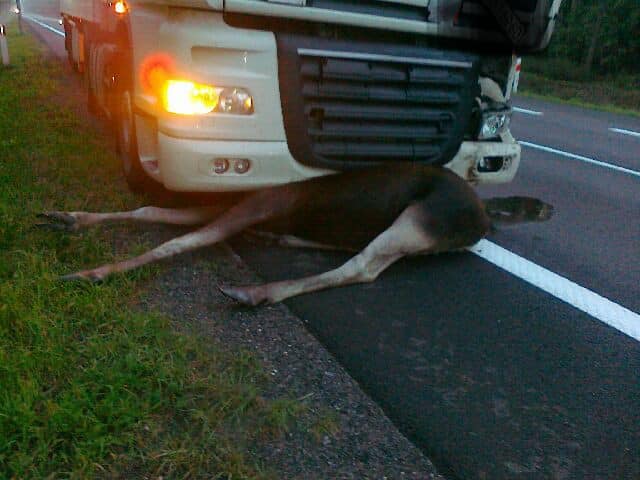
{"x":599,"y":36}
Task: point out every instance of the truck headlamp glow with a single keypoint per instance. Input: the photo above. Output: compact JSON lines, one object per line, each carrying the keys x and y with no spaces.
{"x":120,"y":7}
{"x":190,"y":98}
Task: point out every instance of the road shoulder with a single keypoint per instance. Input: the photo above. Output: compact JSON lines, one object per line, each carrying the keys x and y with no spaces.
{"x":343,"y":434}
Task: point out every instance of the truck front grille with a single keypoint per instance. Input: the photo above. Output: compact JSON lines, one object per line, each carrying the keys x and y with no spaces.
{"x":358,"y":109}
{"x":396,"y":9}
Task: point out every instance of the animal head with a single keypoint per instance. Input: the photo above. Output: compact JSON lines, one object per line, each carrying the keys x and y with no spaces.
{"x":509,"y":210}
{"x":535,"y":210}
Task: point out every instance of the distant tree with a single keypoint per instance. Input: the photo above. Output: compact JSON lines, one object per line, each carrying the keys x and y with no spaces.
{"x":602,"y":36}
{"x":598,"y":14}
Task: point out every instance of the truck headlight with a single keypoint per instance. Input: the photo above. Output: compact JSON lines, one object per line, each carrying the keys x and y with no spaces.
{"x":190,"y":98}
{"x":494,"y":123}
{"x":235,"y":100}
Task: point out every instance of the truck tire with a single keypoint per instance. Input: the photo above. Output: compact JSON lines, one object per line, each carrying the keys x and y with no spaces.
{"x":89,"y":74}
{"x":68,"y":32}
{"x":127,"y":142}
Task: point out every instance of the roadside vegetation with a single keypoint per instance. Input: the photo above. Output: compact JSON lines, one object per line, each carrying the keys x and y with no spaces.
{"x":90,"y":386}
{"x":592,"y":59}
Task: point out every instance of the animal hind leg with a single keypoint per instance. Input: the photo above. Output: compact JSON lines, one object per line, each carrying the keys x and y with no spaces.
{"x":257,"y":208}
{"x":405,"y":236}
{"x":296,"y":242}
{"x":73,"y":221}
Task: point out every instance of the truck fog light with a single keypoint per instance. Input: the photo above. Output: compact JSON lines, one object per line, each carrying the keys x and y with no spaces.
{"x":242,"y":165}
{"x":490,"y":164}
{"x":220,"y":165}
{"x":493,"y":124}
{"x":236,"y":100}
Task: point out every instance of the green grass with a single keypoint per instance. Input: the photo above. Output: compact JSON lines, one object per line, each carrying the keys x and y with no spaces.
{"x":561,"y":81}
{"x":89,"y":385}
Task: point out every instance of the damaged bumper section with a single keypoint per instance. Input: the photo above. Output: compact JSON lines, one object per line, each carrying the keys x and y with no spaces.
{"x":206,"y":165}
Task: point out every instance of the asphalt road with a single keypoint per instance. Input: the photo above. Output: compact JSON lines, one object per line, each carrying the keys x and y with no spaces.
{"x":493,"y":377}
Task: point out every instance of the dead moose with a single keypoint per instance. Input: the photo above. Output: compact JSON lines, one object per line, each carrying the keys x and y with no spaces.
{"x":415,"y":209}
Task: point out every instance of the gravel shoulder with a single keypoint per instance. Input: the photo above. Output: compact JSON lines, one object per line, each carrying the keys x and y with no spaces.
{"x":360,"y":442}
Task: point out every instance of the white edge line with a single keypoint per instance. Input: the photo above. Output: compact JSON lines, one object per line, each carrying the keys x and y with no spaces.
{"x":625,"y":132}
{"x":580,"y":157}
{"x":524,"y":110}
{"x":44,"y":25}
{"x":43,"y":18}
{"x":597,"y":306}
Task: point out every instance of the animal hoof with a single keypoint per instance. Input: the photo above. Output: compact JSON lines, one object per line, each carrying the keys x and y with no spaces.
{"x":243,"y":295}
{"x":57,"y":221}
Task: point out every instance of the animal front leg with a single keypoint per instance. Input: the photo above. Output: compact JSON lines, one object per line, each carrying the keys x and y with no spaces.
{"x":73,"y":221}
{"x":406,"y":236}
{"x":292,"y":241}
{"x":191,"y":241}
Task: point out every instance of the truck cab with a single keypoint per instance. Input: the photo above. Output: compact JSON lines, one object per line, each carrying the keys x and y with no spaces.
{"x":213,"y":95}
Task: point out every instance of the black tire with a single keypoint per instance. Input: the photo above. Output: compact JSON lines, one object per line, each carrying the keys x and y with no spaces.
{"x":127,"y":141}
{"x":92,"y":101}
{"x":67,"y":45}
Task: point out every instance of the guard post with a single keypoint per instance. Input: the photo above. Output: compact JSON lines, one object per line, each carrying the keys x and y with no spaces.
{"x":4,"y":49}
{"x":19,"y":12}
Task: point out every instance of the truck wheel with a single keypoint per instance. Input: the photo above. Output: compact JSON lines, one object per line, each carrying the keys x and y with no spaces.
{"x":92,"y":101}
{"x":67,"y":45}
{"x":127,"y":143}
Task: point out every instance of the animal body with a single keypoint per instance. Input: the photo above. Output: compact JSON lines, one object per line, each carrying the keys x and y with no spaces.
{"x":383,"y":214}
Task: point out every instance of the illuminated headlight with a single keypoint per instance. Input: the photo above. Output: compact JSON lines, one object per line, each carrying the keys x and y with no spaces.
{"x":493,"y":124}
{"x":190,"y":98}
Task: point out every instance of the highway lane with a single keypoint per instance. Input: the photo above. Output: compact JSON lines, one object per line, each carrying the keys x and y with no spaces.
{"x":594,"y":236}
{"x":490,"y":376}
{"x":579,"y":130}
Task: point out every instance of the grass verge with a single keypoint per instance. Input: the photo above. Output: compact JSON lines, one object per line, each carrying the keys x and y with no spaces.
{"x":89,"y":385}
{"x":616,"y":95}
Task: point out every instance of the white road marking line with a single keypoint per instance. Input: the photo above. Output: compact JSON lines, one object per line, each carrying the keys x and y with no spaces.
{"x":43,"y":17}
{"x":580,"y":157}
{"x":597,"y":306}
{"x":44,"y":25}
{"x":524,"y":110}
{"x":626,"y":132}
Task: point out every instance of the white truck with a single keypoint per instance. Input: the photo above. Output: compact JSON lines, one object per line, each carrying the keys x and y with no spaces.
{"x":224,"y":95}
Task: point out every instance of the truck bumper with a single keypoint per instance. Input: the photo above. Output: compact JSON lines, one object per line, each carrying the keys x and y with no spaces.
{"x":189,"y":165}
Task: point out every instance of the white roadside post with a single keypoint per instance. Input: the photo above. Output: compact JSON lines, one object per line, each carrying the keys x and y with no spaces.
{"x":4,"y":49}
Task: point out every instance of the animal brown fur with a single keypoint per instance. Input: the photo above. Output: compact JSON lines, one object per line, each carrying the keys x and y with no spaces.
{"x":384,"y":215}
